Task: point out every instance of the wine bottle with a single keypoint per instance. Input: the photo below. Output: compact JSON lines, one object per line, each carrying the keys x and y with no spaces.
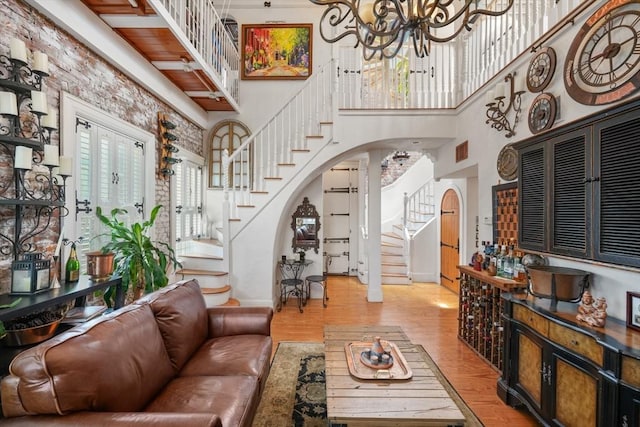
{"x":72,"y":268}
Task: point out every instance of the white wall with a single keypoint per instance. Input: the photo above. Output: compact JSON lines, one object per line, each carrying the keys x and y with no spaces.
{"x":485,"y":143}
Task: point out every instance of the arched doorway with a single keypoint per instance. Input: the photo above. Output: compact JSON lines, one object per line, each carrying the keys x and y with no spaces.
{"x":450,"y":240}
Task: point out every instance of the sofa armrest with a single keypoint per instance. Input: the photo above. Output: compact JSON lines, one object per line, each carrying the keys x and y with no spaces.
{"x":226,"y":321}
{"x":118,"y":419}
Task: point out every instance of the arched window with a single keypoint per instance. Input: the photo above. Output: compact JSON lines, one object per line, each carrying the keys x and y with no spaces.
{"x":228,"y":134}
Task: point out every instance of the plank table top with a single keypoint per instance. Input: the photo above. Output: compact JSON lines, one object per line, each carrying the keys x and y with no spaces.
{"x":419,"y":401}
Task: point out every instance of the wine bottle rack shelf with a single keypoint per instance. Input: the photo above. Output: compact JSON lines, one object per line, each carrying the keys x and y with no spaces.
{"x":480,"y":323}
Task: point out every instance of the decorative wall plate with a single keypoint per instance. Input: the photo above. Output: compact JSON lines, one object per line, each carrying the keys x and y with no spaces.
{"x":603,"y":61}
{"x":508,"y":163}
{"x":541,"y":69}
{"x":542,"y":113}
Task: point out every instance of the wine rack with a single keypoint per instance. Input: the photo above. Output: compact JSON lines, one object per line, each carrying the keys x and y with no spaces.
{"x":480,"y":323}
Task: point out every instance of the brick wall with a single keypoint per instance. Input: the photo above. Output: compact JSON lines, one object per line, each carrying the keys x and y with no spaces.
{"x":82,"y":73}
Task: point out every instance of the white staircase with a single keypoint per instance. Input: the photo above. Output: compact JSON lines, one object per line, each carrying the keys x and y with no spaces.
{"x":203,"y":260}
{"x":419,"y":211}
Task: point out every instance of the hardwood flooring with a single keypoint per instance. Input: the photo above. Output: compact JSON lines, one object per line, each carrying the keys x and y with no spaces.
{"x":428,"y":314}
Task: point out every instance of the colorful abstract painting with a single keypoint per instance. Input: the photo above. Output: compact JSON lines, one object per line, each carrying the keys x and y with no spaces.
{"x":276,"y":51}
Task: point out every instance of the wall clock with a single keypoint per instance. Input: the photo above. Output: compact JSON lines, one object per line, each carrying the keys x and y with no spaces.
{"x":508,"y":163}
{"x":603,"y":62}
{"x":541,"y":69}
{"x":542,"y":113}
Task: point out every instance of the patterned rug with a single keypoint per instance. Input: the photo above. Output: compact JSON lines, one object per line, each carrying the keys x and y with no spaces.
{"x":295,"y":394}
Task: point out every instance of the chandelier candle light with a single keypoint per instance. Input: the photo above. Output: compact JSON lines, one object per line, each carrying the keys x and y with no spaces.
{"x":383,"y":26}
{"x":498,"y":109}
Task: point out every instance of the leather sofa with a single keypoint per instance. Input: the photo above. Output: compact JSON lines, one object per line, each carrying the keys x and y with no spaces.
{"x":165,"y":360}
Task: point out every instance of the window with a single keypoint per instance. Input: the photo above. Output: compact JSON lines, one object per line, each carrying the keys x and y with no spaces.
{"x":188,"y":190}
{"x":114,"y":167}
{"x":229,"y":135}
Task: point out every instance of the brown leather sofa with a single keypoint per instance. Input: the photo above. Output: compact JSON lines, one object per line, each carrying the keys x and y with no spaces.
{"x":165,"y":360}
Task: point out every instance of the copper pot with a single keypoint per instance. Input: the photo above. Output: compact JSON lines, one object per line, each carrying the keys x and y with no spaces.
{"x":99,"y":265}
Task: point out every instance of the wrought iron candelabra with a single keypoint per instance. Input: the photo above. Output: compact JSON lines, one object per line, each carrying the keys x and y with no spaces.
{"x":36,"y":188}
{"x":500,"y":106}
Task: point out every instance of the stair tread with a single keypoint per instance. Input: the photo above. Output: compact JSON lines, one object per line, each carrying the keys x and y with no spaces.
{"x":390,"y":254}
{"x":212,"y":291}
{"x":231,"y":303}
{"x":390,"y":245}
{"x":394,"y":275}
{"x":394,"y":264}
{"x":201,"y":256}
{"x":196,"y":272}
{"x":394,"y":235}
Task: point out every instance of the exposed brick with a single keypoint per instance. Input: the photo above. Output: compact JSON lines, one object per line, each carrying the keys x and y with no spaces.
{"x":79,"y":71}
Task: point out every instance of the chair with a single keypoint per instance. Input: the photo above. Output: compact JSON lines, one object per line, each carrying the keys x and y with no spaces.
{"x":320,"y":280}
{"x":291,"y":287}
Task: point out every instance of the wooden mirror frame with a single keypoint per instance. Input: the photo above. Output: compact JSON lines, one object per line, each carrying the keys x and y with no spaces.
{"x":305,"y":237}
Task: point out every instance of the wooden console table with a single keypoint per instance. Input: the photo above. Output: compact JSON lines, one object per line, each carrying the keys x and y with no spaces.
{"x":480,"y":323}
{"x":41,"y":301}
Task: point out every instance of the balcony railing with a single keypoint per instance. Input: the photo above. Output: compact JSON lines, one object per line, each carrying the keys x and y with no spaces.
{"x":453,"y":71}
{"x":201,"y":25}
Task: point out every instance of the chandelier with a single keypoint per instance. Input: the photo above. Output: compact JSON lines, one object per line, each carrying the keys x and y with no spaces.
{"x":383,"y":26}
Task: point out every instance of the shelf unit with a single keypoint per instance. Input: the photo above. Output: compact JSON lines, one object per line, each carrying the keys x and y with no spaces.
{"x":480,"y":323}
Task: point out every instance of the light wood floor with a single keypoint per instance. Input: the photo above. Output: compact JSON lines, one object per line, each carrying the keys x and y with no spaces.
{"x":428,"y":315}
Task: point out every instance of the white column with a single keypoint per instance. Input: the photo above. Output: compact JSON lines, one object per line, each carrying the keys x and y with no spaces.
{"x":374,"y":293}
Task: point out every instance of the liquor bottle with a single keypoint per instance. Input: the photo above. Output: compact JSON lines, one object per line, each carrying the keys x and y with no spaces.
{"x":500,"y":261}
{"x":72,"y":268}
{"x":507,"y":264}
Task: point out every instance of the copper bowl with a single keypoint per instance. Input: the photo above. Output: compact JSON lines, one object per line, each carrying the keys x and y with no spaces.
{"x":99,"y":265}
{"x":27,"y":336}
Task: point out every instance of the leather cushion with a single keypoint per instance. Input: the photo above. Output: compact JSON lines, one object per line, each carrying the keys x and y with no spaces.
{"x":115,"y":363}
{"x":232,"y":355}
{"x":182,"y":319}
{"x":233,"y":398}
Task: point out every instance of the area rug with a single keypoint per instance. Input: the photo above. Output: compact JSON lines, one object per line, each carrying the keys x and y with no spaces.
{"x":295,"y":395}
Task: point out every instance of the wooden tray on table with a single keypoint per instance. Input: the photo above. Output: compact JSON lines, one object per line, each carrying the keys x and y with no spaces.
{"x":400,"y":370}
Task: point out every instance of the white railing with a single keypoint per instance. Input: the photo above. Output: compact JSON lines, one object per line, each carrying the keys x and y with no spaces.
{"x":202,"y":26}
{"x":453,"y":71}
{"x":419,"y":208}
{"x":274,"y":144}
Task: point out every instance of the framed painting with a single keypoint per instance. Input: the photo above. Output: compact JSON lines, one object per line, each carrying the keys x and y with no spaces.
{"x":276,"y":51}
{"x":633,"y":310}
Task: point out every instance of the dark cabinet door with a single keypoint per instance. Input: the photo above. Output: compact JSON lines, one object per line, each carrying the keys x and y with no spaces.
{"x":570,"y":193}
{"x":616,"y":184}
{"x":531,"y":198}
{"x":629,"y":407}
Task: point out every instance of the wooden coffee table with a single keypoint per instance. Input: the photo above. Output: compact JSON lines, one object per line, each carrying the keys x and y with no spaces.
{"x":418,"y":401}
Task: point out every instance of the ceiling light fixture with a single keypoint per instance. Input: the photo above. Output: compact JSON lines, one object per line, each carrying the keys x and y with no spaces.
{"x":383,"y":26}
{"x":400,"y":157}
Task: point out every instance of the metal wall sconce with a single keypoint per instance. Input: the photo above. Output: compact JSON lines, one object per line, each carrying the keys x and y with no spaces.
{"x":167,"y":147}
{"x":498,"y":109}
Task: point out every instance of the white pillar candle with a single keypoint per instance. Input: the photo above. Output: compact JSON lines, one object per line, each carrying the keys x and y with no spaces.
{"x":51,"y":119}
{"x":40,"y":62}
{"x":23,"y":157}
{"x":51,"y":155}
{"x":39,"y":101}
{"x":55,"y":174}
{"x":8,"y":103}
{"x":500,"y":90}
{"x":491,"y":97}
{"x":66,"y":166}
{"x":520,"y":83}
{"x":18,"y":50}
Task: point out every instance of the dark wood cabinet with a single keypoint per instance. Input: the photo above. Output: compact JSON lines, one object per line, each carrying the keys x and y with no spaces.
{"x":580,"y":188}
{"x":565,"y":373}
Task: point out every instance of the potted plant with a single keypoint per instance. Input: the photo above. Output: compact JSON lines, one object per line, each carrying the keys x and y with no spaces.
{"x":141,"y":263}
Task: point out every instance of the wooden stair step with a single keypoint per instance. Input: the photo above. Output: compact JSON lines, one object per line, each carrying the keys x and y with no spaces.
{"x":394,"y":275}
{"x":273,"y":177}
{"x":195,"y":272}
{"x":300,"y":150}
{"x":390,"y":245}
{"x":213,"y":291}
{"x":201,"y":256}
{"x":231,"y":303}
{"x":259,"y":192}
{"x":394,"y":235}
{"x":394,"y":264}
{"x":286,"y":164}
{"x":246,"y":206}
{"x":314,"y":136}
